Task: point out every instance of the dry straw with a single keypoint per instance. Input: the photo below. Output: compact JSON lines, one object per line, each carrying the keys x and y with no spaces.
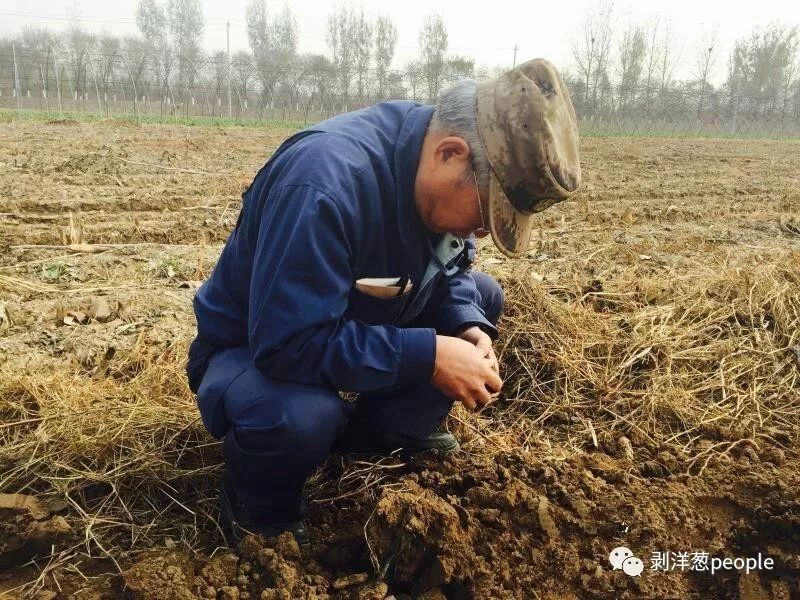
{"x":127,"y":452}
{"x":705,"y":365}
{"x":667,"y":362}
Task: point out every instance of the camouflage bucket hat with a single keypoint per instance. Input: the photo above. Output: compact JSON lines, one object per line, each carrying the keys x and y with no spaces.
{"x":528,"y":127}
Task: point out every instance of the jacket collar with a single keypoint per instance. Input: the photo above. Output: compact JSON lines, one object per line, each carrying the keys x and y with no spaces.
{"x":406,"y":161}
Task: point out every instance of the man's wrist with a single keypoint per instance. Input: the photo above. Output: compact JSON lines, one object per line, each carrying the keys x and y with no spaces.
{"x":466,"y":327}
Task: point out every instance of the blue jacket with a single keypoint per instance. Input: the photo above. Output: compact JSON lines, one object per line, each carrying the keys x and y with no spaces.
{"x":334,"y":204}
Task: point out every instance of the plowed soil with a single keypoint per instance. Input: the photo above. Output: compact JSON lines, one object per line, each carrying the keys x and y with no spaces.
{"x":107,"y":228}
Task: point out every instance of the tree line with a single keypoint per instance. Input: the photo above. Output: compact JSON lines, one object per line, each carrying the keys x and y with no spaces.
{"x":630,"y":67}
{"x":618,"y":67}
{"x":166,"y":60}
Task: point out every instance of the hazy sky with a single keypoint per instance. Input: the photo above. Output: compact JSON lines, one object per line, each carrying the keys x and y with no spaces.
{"x":486,"y":31}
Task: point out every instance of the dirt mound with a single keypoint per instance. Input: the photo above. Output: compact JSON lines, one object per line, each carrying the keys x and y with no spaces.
{"x":272,"y":569}
{"x":92,"y":162}
{"x":159,"y":576}
{"x":510,"y":527}
{"x":502,"y":528}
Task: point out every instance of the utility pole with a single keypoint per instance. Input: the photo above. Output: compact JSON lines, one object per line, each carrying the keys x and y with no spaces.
{"x":228,"y":31}
{"x":736,"y":104}
{"x":516,"y":47}
{"x":16,"y":74}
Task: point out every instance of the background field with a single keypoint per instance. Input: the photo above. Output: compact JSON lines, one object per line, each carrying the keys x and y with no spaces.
{"x":651,"y":350}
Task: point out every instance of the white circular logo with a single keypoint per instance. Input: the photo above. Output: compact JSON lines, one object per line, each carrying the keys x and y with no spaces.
{"x":618,"y":556}
{"x":633,"y":566}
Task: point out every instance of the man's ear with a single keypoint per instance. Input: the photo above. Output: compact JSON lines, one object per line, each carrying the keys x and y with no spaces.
{"x":452,"y":147}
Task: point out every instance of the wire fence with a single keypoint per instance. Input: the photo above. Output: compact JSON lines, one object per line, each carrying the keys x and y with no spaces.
{"x":145,"y":86}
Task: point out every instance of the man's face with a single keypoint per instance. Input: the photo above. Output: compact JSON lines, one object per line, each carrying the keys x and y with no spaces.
{"x":445,"y":191}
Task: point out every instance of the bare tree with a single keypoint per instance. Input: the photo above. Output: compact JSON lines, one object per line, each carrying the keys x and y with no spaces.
{"x":415,"y":75}
{"x":137,"y":52}
{"x":273,"y":42}
{"x":761,"y":67}
{"x":109,"y":47}
{"x":38,"y":39}
{"x":258,"y":36}
{"x":219,"y":77}
{"x":362,"y":47}
{"x":33,"y":63}
{"x":592,"y":48}
{"x":459,"y":67}
{"x":321,"y":77}
{"x":257,"y":22}
{"x":652,"y":60}
{"x":293,"y":83}
{"x":669,"y":56}
{"x":80,"y":42}
{"x":242,"y":71}
{"x":151,"y":18}
{"x":631,"y":62}
{"x":795,"y":92}
{"x":433,"y":49}
{"x":341,"y":39}
{"x":705,"y":59}
{"x":385,"y":44}
{"x":396,"y":85}
{"x":186,"y":23}
{"x":282,"y":54}
{"x":790,"y":81}
{"x":283,"y":29}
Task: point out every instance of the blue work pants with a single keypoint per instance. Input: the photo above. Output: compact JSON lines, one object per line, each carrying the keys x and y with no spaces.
{"x":276,"y":433}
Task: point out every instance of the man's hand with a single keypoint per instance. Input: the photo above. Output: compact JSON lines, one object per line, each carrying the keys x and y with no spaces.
{"x":464,"y":373}
{"x":477,"y":336}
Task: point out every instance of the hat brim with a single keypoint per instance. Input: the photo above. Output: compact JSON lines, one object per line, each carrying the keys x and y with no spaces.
{"x":511,"y":229}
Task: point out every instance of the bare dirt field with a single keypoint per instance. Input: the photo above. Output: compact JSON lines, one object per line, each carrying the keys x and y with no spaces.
{"x":650,"y":349}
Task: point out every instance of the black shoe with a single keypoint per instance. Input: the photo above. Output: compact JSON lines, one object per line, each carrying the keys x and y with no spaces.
{"x":359,"y":441}
{"x":237,"y":522}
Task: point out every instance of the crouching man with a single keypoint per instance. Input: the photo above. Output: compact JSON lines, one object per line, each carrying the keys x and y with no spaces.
{"x":349,"y":270}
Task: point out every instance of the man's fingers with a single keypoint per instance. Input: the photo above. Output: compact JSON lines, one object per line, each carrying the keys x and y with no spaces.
{"x":493,"y":382}
{"x":492,"y":398}
{"x":484,"y":344}
{"x":488,"y":352}
{"x":469,"y":403}
{"x":493,"y":361}
{"x":483,"y":397}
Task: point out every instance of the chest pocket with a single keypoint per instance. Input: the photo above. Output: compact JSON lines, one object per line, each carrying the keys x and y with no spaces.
{"x":451,"y":255}
{"x":446,"y":261}
{"x":375,"y":311}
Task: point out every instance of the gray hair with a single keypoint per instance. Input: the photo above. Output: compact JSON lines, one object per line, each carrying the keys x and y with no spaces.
{"x":455,"y":115}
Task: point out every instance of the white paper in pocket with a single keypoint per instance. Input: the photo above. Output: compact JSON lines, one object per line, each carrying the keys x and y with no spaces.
{"x":382,"y":287}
